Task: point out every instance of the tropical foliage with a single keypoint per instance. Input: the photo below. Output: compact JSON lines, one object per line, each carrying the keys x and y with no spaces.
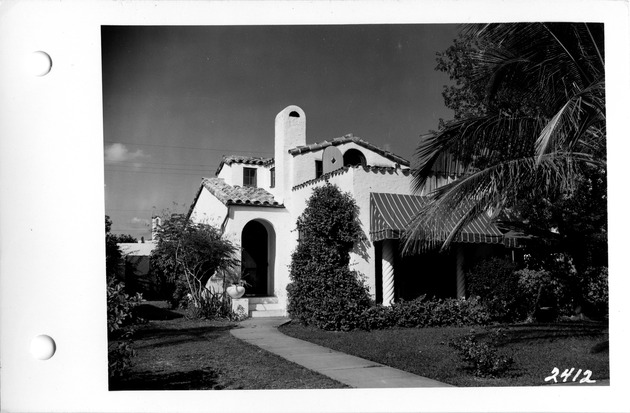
{"x":120,"y":317}
{"x":530,"y":121}
{"x":187,"y":254}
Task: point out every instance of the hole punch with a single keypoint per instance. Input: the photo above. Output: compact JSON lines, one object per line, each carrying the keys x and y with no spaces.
{"x":43,"y":347}
{"x":39,"y":63}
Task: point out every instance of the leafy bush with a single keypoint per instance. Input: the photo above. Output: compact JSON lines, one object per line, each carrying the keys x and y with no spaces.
{"x":323,"y":290}
{"x":596,"y":289}
{"x":119,"y":306}
{"x":186,"y":256}
{"x":427,"y":313}
{"x":120,"y":319}
{"x":540,"y":288}
{"x":458,"y":312}
{"x":119,"y":355}
{"x":495,"y":282}
{"x":213,"y":306}
{"x":482,"y":358}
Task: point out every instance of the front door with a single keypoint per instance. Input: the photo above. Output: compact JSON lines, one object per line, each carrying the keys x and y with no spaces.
{"x":254,"y":258}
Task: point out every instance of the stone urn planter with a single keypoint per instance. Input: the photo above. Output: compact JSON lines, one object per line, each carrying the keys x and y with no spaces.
{"x":235,"y":291}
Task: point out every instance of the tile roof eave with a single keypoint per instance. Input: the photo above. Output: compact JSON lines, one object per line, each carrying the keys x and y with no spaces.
{"x":247,"y":160}
{"x":225,"y":194}
{"x":347,"y":139}
{"x":373,"y":169}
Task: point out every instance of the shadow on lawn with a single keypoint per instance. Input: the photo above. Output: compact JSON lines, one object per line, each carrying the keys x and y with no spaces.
{"x":205,"y":379}
{"x":165,"y":336}
{"x":151,"y":312}
{"x":520,"y":333}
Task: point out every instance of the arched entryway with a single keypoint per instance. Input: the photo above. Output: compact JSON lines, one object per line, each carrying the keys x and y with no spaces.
{"x":257,"y":257}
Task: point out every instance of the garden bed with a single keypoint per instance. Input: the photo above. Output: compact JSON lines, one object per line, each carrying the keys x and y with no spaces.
{"x":535,"y":348}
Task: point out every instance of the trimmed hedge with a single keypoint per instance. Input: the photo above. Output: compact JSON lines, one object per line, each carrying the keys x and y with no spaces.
{"x":427,"y":313}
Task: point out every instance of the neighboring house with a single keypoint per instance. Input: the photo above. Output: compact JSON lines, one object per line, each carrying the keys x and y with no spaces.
{"x":138,"y":278}
{"x":257,"y":201}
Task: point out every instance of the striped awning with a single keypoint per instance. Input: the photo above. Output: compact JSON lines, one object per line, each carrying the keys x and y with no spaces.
{"x":391,"y":214}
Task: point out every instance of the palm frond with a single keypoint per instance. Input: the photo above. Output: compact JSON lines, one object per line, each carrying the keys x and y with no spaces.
{"x":492,"y":188}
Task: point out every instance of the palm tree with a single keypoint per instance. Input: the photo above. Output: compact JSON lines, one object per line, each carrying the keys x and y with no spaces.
{"x":543,"y":122}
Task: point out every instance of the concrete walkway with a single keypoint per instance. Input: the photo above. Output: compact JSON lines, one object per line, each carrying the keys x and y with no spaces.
{"x":353,"y":371}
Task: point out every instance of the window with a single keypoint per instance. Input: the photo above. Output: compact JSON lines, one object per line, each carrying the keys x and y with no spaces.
{"x":272,"y":178}
{"x":249,"y":176}
{"x":319,"y":169}
{"x":353,"y":157}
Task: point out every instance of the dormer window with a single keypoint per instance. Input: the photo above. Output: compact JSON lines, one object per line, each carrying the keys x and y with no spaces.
{"x":272,"y":178}
{"x":249,"y":177}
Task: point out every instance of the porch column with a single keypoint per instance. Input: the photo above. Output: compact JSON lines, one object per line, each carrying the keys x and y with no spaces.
{"x":459,"y":269}
{"x":387,"y":264}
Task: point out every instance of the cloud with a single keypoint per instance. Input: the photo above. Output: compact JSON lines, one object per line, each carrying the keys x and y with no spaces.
{"x":139,"y":221}
{"x":117,"y":152}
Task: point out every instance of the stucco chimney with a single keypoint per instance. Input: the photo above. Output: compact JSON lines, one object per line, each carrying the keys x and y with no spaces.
{"x":290,"y":133}
{"x":156,"y":223}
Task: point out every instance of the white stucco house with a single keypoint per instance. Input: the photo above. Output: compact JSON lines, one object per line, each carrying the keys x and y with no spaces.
{"x":257,"y":201}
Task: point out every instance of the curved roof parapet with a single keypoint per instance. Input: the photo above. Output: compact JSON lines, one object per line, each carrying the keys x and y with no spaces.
{"x":345,"y":139}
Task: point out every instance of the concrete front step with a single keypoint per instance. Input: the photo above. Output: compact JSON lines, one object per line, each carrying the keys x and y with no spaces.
{"x":266,"y":313}
{"x":264,"y":307}
{"x":262,"y":300}
{"x":260,"y":307}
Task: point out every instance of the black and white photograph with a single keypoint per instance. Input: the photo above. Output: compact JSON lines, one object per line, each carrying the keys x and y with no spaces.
{"x":373,"y":206}
{"x":314,"y":206}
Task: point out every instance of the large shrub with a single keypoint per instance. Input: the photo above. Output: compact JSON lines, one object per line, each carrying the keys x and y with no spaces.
{"x":323,"y":290}
{"x":186,"y":256}
{"x":495,"y":282}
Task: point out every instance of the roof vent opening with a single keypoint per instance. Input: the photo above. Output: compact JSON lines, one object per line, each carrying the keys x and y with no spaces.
{"x":294,"y":114}
{"x":353,"y":157}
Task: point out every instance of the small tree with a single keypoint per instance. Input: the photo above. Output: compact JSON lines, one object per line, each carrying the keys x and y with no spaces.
{"x":188,"y":253}
{"x":323,"y":290}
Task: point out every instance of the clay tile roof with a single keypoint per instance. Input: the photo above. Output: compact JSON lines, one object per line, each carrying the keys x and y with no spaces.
{"x":249,"y":160}
{"x":345,"y":139}
{"x":367,"y":168}
{"x":239,"y":195}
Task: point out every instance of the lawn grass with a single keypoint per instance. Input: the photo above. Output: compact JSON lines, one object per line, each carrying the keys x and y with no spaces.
{"x":174,"y":353}
{"x":536,"y":350}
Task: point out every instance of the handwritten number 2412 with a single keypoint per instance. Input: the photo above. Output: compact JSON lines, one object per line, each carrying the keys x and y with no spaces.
{"x":567,"y":373}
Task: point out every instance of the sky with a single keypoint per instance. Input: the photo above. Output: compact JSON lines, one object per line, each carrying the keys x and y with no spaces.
{"x":178,"y":98}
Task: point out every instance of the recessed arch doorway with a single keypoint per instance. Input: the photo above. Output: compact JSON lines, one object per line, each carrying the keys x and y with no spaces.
{"x":258,"y":243}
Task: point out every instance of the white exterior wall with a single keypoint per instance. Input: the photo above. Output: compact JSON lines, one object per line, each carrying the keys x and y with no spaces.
{"x":285,"y":240}
{"x":359,"y":183}
{"x":365,"y":182}
{"x":227,"y":174}
{"x":371,"y":158}
{"x":233,"y":174}
{"x":209,"y":210}
{"x":303,"y":166}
